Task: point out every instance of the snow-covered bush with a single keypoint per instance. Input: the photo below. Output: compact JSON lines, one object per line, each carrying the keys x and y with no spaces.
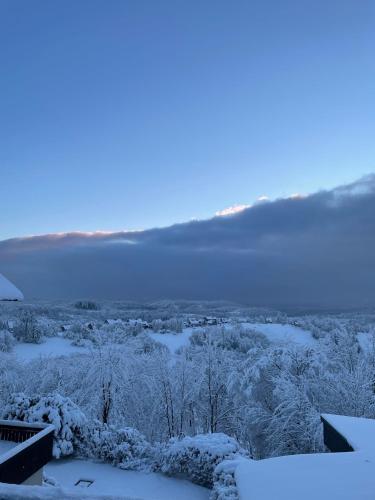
{"x":27,"y":329}
{"x":81,"y":335}
{"x":75,"y":331}
{"x":225,"y":487}
{"x":196,"y":457}
{"x":87,"y":305}
{"x":144,"y":344}
{"x":240,"y":339}
{"x":133,"y":329}
{"x":174,"y":325}
{"x":4,"y":325}
{"x":126,"y":447}
{"x":6,"y":341}
{"x":237,"y":338}
{"x":157,"y":325}
{"x":168,"y":325}
{"x":53,"y":409}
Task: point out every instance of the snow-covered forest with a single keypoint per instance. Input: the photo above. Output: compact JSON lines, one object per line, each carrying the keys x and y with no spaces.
{"x":177,"y":388}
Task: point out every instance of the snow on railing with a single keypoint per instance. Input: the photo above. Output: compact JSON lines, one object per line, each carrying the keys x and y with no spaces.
{"x":31,"y":454}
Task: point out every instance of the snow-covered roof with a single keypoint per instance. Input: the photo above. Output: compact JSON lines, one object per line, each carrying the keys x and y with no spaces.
{"x":20,"y":492}
{"x":323,"y":476}
{"x":8,"y":291}
{"x":359,"y":432}
{"x":320,"y":476}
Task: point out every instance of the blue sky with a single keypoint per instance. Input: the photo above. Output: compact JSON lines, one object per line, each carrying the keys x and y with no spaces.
{"x":134,"y":114}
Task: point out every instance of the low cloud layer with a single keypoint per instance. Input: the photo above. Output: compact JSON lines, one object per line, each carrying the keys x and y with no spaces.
{"x":313,"y":251}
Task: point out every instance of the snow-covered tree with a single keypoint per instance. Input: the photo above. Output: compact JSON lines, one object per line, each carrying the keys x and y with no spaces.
{"x":53,"y":409}
{"x":27,"y":328}
{"x":7,"y":341}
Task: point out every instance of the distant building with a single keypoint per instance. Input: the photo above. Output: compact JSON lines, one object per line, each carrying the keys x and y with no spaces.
{"x":8,"y":291}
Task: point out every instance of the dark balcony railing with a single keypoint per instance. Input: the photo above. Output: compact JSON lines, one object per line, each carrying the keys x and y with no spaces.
{"x":33,"y":451}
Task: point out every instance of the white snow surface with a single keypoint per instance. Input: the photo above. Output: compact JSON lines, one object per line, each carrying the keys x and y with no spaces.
{"x":52,"y":347}
{"x":321,"y":476}
{"x":366,"y":340}
{"x":325,"y":476}
{"x":215,"y":444}
{"x":15,"y":492}
{"x":58,"y":346}
{"x":8,"y":291}
{"x":277,"y":332}
{"x":173,"y":340}
{"x":6,"y":446}
{"x":114,"y":481}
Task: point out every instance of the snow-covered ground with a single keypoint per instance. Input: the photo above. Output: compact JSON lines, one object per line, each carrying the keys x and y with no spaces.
{"x":325,"y":476}
{"x":173,"y":340}
{"x":52,"y":346}
{"x":114,"y":481}
{"x":57,"y":346}
{"x":276,"y":332}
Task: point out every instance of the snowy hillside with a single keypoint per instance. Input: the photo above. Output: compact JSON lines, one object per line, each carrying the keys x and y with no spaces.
{"x":8,"y":291}
{"x":213,"y":399}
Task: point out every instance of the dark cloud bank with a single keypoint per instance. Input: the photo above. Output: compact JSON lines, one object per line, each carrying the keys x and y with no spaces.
{"x":317,"y":251}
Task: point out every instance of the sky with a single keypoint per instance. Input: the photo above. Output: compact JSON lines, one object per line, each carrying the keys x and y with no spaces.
{"x":121,"y":115}
{"x":316,"y":251}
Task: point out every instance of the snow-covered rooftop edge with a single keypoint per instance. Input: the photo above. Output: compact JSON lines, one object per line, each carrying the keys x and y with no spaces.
{"x":16,"y":492}
{"x":358,"y":431}
{"x":8,"y":291}
{"x":323,"y":476}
